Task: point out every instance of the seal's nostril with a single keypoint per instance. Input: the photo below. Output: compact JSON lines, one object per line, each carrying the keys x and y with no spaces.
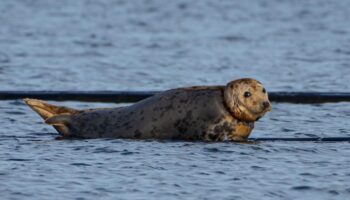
{"x":266,"y":104}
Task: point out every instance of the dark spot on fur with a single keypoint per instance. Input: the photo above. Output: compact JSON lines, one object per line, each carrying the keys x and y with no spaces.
{"x":203,"y":134}
{"x":213,"y":137}
{"x":161,"y":115}
{"x":183,"y":100}
{"x":154,"y":131}
{"x":169,"y":107}
{"x":218,"y":129}
{"x":142,"y":118}
{"x":228,"y":128}
{"x":141,"y":112}
{"x":189,"y":114}
{"x":254,"y":103}
{"x":82,"y":125}
{"x":181,"y":126}
{"x":137,"y":134}
{"x":177,"y":123}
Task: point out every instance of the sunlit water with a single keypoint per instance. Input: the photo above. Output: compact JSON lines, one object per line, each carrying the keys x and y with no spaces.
{"x":156,"y":45}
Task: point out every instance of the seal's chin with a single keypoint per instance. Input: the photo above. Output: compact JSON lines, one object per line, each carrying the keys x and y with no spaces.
{"x":268,"y":109}
{"x":260,"y":116}
{"x":244,"y":114}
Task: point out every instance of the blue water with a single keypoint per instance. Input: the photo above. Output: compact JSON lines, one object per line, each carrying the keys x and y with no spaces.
{"x":156,"y":45}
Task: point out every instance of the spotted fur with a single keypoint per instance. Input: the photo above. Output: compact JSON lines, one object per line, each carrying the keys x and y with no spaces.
{"x":211,"y":113}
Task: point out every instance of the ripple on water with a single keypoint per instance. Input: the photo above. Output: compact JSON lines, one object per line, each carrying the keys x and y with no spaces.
{"x":109,"y":50}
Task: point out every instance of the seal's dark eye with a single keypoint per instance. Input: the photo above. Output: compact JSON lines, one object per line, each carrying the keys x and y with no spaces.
{"x":247,"y":94}
{"x":264,"y":91}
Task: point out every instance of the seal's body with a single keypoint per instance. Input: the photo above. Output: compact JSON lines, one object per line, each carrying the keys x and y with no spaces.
{"x":196,"y":113}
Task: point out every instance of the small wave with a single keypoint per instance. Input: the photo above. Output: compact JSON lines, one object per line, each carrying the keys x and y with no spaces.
{"x":302,"y":187}
{"x":80,"y":164}
{"x":19,"y":159}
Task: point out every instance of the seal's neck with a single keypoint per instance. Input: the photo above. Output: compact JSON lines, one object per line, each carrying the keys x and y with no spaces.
{"x":227,"y":106}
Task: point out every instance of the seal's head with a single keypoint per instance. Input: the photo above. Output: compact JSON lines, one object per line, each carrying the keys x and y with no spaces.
{"x":246,"y":99}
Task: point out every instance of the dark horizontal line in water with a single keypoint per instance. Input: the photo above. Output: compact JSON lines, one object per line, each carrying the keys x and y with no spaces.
{"x":308,"y":139}
{"x":134,"y":96}
{"x":273,"y":139}
{"x":19,"y":159}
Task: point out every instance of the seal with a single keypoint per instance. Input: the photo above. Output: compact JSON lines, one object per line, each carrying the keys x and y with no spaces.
{"x":209,"y":113}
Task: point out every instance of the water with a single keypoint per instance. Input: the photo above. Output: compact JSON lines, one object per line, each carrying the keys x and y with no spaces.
{"x":156,"y":45}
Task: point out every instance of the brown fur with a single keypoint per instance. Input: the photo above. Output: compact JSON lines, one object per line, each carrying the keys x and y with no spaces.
{"x":246,"y":109}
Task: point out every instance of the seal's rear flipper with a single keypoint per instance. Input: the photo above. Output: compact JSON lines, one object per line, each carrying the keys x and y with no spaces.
{"x":46,"y":110}
{"x":58,"y":116}
{"x":58,"y":120}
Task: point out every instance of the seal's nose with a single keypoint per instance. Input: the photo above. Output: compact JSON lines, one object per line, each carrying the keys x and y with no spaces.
{"x":266,"y":104}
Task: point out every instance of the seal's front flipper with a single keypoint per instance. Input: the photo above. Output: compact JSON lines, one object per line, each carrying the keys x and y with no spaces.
{"x":58,"y":116}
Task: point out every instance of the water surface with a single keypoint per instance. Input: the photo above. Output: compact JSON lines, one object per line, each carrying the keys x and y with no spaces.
{"x":156,"y":45}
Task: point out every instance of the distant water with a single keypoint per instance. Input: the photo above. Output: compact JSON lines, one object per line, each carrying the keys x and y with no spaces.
{"x":156,"y":45}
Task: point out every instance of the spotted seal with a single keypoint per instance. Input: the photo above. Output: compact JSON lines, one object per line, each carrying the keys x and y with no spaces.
{"x":209,"y":113}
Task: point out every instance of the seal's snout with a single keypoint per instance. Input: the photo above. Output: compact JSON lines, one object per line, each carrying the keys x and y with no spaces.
{"x":266,"y":105}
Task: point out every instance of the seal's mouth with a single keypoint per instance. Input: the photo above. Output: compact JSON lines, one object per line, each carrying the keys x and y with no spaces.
{"x":245,"y":114}
{"x":268,"y":109}
{"x":256,"y":115}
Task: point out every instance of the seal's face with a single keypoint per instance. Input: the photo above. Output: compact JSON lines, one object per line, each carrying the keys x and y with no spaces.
{"x":247,"y":99}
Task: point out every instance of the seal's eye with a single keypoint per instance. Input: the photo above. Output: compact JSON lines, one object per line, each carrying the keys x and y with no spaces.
{"x":264,"y":91}
{"x":247,"y":94}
